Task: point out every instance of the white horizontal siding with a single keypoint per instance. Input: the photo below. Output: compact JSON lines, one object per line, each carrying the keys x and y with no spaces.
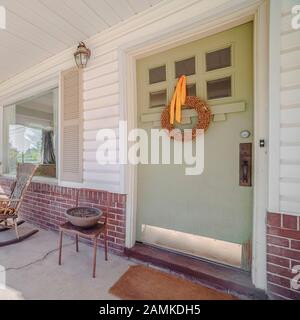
{"x":290,"y":60}
{"x":290,"y":113}
{"x":290,"y":171}
{"x":290,"y":116}
{"x":290,"y":153}
{"x":101,"y":81}
{"x":291,"y":96}
{"x":101,"y":113}
{"x":290,"y":40}
{"x":290,"y":189}
{"x":290,"y":206}
{"x":290,"y":135}
{"x":102,"y":102}
{"x":93,"y":166}
{"x":291,"y":78}
{"x":91,"y":135}
{"x":109,"y":122}
{"x":100,"y":70}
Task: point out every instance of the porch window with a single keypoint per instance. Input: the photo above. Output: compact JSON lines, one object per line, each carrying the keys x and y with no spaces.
{"x":30,"y":135}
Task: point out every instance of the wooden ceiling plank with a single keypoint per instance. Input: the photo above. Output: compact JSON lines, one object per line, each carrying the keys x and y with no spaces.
{"x":154,"y":2}
{"x":80,"y":8}
{"x":17,"y":44}
{"x":121,"y":8}
{"x":71,"y":34}
{"x":104,"y":11}
{"x":68,"y":14}
{"x":25,"y":12}
{"x":32,"y":34}
{"x":139,"y":5}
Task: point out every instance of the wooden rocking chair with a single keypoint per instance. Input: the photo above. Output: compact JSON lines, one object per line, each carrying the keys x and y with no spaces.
{"x":10,"y":205}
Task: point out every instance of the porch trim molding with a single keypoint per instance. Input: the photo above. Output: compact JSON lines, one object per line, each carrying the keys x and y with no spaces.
{"x":274,"y":102}
{"x":206,"y":23}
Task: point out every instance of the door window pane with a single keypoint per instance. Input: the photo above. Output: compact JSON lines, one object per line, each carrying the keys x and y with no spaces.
{"x":191,"y":90}
{"x":185,"y":67}
{"x":157,"y":74}
{"x":220,"y":88}
{"x":218,"y":59}
{"x":158,"y":99}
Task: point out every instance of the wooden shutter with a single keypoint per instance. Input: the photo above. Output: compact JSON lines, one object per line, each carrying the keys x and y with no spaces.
{"x":71,"y":125}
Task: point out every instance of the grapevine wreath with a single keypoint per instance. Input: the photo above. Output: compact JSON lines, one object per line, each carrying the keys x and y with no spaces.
{"x":204,"y":116}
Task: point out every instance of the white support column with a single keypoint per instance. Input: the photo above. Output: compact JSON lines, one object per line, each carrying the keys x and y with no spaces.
{"x":261,"y":85}
{"x":274,"y":102}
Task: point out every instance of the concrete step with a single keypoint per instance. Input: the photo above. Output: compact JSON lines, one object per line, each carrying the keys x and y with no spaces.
{"x":225,"y":278}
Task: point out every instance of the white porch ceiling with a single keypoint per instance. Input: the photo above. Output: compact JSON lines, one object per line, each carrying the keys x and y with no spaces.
{"x":39,"y":29}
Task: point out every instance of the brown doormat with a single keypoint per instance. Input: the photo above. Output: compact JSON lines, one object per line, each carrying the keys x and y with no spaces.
{"x":144,"y":283}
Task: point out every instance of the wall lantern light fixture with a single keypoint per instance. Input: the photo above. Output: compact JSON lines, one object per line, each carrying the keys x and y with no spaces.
{"x":82,"y":55}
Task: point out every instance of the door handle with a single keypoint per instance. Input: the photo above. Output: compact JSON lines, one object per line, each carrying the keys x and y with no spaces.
{"x":245,"y":168}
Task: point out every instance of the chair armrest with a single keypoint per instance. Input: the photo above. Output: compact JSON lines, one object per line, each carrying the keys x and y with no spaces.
{"x":12,"y":187}
{"x":10,"y":200}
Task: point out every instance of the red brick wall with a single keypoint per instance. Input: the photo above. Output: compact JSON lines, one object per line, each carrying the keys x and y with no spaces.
{"x":283,"y":253}
{"x":44,"y":205}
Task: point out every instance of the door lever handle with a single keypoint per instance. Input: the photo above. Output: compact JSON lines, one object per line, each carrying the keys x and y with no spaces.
{"x":245,"y":168}
{"x":245,"y":165}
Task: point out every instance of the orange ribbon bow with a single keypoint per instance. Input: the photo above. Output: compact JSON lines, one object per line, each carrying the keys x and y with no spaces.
{"x":178,"y":100}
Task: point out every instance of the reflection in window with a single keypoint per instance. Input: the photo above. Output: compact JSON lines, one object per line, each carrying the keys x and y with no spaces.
{"x":25,"y":145}
{"x":218,"y":59}
{"x":185,"y":67}
{"x":30,"y":135}
{"x":157,"y":74}
{"x":158,"y":99}
{"x":220,"y":88}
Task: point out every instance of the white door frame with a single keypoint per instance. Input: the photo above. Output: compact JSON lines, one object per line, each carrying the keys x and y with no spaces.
{"x":184,"y":33}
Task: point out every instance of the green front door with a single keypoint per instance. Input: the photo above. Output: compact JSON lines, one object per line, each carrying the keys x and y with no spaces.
{"x":219,"y":70}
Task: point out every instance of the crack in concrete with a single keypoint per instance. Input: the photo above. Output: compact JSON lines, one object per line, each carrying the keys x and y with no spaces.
{"x":43,"y":258}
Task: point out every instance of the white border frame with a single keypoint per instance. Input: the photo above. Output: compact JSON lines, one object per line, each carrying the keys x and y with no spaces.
{"x":184,"y":33}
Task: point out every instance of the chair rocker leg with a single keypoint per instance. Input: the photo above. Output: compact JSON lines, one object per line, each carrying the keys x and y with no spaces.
{"x":17,"y":240}
{"x":16,"y":228}
{"x":5,"y":226}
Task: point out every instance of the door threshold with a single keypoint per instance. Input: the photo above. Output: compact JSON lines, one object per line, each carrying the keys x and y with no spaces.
{"x":191,"y":256}
{"x":225,"y":278}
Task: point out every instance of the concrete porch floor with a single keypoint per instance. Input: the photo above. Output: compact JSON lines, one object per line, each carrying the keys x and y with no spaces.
{"x":32,"y":270}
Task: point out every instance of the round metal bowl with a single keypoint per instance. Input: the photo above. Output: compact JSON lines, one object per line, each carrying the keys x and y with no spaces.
{"x":83,"y":217}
